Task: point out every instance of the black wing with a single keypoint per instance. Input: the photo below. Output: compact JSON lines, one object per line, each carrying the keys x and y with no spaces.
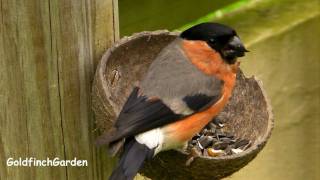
{"x":140,"y":114}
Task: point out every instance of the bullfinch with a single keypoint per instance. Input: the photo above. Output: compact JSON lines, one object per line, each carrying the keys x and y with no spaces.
{"x":185,"y":87}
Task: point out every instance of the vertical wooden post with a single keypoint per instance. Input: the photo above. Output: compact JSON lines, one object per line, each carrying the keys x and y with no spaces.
{"x":48,"y":53}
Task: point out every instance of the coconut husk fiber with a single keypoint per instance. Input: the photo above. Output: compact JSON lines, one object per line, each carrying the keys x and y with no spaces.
{"x":247,"y":115}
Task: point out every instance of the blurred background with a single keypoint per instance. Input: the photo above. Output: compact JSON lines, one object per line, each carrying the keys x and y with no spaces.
{"x":283,"y":37}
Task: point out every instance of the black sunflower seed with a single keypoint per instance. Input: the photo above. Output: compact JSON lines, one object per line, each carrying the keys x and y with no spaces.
{"x":205,"y":141}
{"x":241,"y":143}
{"x":220,"y":145}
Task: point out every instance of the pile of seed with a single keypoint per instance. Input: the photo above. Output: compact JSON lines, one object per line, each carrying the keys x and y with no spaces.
{"x":214,"y":141}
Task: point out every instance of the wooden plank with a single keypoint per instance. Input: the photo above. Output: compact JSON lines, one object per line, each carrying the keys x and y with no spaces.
{"x":48,"y":52}
{"x":142,"y":15}
{"x":105,"y":33}
{"x":30,"y":108}
{"x":76,"y":71}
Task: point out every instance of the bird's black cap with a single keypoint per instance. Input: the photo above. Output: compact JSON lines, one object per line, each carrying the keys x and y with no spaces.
{"x":208,"y":31}
{"x":219,"y":37}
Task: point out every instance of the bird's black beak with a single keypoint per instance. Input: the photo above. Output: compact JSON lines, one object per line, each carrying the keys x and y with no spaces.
{"x":234,"y":49}
{"x":236,"y":45}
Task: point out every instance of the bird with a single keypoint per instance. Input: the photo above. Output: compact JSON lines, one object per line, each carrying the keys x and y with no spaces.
{"x":185,"y":87}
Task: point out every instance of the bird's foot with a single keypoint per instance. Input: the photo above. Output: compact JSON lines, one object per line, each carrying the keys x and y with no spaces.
{"x":194,"y":153}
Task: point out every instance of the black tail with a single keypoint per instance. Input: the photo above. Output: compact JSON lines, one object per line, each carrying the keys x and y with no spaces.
{"x":131,"y":160}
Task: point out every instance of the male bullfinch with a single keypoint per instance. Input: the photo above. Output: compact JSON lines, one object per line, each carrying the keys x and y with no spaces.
{"x":185,"y":87}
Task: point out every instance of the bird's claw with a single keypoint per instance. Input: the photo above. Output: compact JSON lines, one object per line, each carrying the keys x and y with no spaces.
{"x":194,"y":153}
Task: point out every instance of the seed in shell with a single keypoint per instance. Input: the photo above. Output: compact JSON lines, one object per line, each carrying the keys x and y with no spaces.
{"x":218,"y":122}
{"x":214,"y":153}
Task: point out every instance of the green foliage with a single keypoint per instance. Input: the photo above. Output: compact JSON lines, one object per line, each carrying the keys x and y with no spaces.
{"x":218,"y":13}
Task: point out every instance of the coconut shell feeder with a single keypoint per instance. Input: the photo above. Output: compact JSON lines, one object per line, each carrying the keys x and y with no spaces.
{"x":247,"y":115}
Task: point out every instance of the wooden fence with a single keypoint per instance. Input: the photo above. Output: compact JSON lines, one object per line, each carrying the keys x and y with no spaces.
{"x":49,"y":50}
